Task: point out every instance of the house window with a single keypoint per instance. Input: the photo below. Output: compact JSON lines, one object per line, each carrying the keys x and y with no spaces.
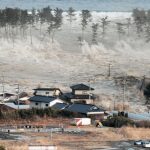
{"x":36,"y":103}
{"x":47,"y":93}
{"x":46,"y":105}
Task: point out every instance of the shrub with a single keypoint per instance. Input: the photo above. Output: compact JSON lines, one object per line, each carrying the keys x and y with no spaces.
{"x":118,"y":121}
{"x":2,"y":148}
{"x":143,"y":124}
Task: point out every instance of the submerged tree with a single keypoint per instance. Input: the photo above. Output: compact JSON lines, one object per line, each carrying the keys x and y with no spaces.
{"x":71,"y":15}
{"x":147,"y":30}
{"x":128,"y":25}
{"x":94,"y":32}
{"x":56,"y":22}
{"x":85,"y":19}
{"x":139,"y":17}
{"x":104,"y":22}
{"x":120,"y":30}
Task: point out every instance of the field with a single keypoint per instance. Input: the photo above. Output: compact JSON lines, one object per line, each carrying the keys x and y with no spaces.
{"x":90,"y":137}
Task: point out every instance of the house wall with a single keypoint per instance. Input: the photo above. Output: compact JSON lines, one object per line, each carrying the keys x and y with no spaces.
{"x":48,"y":93}
{"x":79,"y":92}
{"x":45,"y":93}
{"x":39,"y":106}
{"x":42,"y":105}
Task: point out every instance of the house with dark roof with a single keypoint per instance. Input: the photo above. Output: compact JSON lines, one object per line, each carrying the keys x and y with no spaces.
{"x":81,"y":93}
{"x":87,"y":109}
{"x":56,"y":92}
{"x":43,"y":101}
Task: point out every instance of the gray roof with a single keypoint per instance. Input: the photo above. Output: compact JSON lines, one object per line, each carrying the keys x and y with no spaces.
{"x":14,"y":106}
{"x":59,"y":106}
{"x":81,"y":87}
{"x":84,"y":108}
{"x":44,"y":99}
{"x":46,"y":89}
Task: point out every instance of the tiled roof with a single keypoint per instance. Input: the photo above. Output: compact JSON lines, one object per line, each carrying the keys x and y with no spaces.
{"x":44,"y":99}
{"x":46,"y":89}
{"x":81,"y":87}
{"x":84,"y":108}
{"x":59,"y":106}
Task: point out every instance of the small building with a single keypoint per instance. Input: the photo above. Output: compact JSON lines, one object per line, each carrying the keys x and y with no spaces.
{"x":81,"y":93}
{"x":42,"y":102}
{"x":55,"y":92}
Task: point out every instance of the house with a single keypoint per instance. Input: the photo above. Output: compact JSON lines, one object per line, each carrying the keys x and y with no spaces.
{"x":81,"y":93}
{"x":56,"y":92}
{"x":86,"y":110}
{"x":40,"y":102}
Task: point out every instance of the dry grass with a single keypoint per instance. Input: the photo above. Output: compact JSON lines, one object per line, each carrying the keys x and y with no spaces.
{"x":135,"y":133}
{"x":96,"y":137}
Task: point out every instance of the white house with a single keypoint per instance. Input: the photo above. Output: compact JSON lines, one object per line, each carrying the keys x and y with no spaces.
{"x":43,"y":101}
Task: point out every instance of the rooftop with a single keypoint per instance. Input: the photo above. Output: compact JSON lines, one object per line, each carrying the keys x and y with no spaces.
{"x":59,"y":106}
{"x":81,"y":87}
{"x":84,"y":108}
{"x":46,"y":89}
{"x":44,"y":99}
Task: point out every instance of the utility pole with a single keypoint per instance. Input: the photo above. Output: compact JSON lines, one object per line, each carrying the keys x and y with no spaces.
{"x":3,"y":87}
{"x":124,"y":86}
{"x":89,"y":89}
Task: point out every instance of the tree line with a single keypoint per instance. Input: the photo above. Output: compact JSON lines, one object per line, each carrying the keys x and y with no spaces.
{"x":15,"y":21}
